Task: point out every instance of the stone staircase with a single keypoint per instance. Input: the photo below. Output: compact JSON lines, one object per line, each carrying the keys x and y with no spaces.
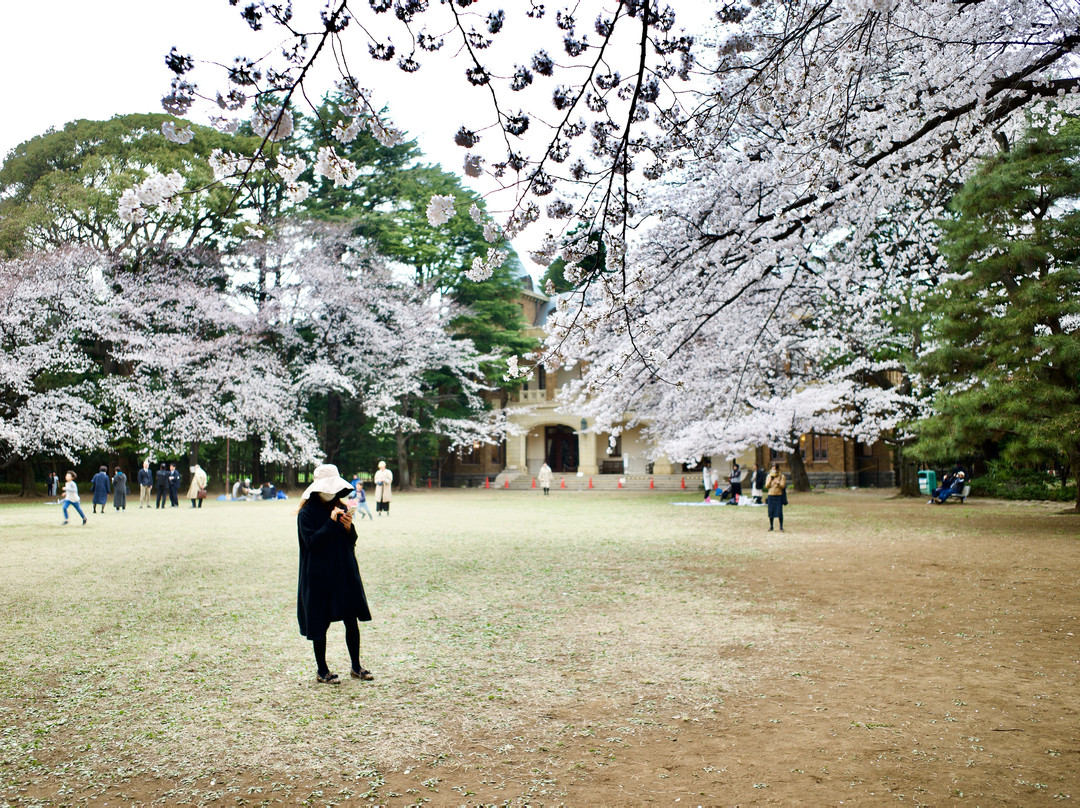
{"x":668,"y":483}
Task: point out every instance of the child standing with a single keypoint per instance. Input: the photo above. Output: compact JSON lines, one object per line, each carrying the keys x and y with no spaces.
{"x":71,"y":497}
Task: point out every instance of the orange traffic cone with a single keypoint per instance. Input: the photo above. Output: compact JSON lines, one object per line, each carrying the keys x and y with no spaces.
{"x":562,"y":483}
{"x":534,"y":482}
{"x":506,"y":483}
{"x":429,"y":482}
{"x":651,"y":485}
{"x":620,"y":483}
{"x":487,"y":483}
{"x":684,"y":482}
{"x":590,"y":482}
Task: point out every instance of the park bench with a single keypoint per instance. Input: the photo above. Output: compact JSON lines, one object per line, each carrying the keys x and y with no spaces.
{"x":961,"y":496}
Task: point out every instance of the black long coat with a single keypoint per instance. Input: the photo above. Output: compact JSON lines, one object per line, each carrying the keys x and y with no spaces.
{"x":329,"y":586}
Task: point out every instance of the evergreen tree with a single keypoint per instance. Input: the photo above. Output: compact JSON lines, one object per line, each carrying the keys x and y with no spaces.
{"x":1003,"y":333}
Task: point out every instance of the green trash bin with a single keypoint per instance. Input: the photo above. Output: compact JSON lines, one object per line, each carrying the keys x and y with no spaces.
{"x":927,"y":482}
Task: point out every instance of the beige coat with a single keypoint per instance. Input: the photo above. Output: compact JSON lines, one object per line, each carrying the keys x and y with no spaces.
{"x":544,"y":476}
{"x":775,"y":483}
{"x":198,"y":480}
{"x":383,"y":492}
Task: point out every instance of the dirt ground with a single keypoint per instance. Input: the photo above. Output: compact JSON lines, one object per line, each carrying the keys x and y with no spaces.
{"x":925,"y":670}
{"x":928,"y":658}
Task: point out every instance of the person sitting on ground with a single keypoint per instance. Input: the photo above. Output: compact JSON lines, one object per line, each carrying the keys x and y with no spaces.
{"x":267,"y":491}
{"x":241,"y":489}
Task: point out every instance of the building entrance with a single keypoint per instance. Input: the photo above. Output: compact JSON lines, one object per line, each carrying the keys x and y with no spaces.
{"x":561,"y":448}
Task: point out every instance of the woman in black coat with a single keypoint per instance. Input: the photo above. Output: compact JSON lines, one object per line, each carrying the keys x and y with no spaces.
{"x":329,"y":588}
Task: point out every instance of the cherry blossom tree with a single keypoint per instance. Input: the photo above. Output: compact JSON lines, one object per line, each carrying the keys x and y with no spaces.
{"x":349,"y":331}
{"x":50,"y":307}
{"x":188,"y":366}
{"x":712,"y":166}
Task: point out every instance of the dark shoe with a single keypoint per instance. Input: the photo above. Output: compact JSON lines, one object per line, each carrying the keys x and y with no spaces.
{"x":363,"y":673}
{"x":327,"y":678}
{"x":84,"y":520}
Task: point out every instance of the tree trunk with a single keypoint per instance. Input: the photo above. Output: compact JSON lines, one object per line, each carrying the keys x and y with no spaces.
{"x":799,"y":479}
{"x":333,"y":427}
{"x":257,"y":473}
{"x":290,"y":477}
{"x":907,"y":472}
{"x":403,"y":460}
{"x":26,"y":474}
{"x":193,"y":454}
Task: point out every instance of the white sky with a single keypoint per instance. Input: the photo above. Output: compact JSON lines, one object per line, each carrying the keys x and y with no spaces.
{"x":98,"y":58}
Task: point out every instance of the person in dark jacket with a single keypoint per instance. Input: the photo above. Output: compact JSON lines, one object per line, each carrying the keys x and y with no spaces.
{"x":162,"y":480}
{"x":757,"y":483}
{"x":101,"y":488}
{"x":174,"y":486}
{"x":329,"y":588}
{"x":146,"y":484}
{"x":119,"y":482}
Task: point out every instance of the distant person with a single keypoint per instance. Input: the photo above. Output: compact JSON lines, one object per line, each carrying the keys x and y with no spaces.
{"x":267,"y":491}
{"x":735,"y":488}
{"x":707,"y":479}
{"x":197,"y":490}
{"x":361,"y":497}
{"x":71,"y":497}
{"x":146,"y":484}
{"x":775,"y":484}
{"x":174,"y":486}
{"x":956,"y":482}
{"x":100,"y":488}
{"x":545,"y":478}
{"x":757,"y":483}
{"x":329,"y":587}
{"x":120,"y":490}
{"x":162,"y":482}
{"x":384,"y":479}
{"x":241,"y":489}
{"x":52,"y":485}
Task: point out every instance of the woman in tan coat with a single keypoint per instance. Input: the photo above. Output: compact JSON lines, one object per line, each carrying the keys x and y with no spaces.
{"x":775,"y":484}
{"x":198,"y":481}
{"x":384,"y":479}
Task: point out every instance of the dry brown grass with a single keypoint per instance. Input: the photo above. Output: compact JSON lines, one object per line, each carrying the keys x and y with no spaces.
{"x":584,"y":648}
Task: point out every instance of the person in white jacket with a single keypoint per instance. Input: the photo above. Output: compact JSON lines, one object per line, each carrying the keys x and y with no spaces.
{"x":545,"y":478}
{"x":384,"y":479}
{"x":71,"y":497}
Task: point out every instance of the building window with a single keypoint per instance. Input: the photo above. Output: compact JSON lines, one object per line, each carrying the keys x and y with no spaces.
{"x":541,"y":378}
{"x":821,"y":448}
{"x":774,"y":456}
{"x":615,"y":449}
{"x":471,"y":455}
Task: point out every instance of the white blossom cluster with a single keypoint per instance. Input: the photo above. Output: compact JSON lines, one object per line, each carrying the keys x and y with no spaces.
{"x":156,"y":191}
{"x":440,"y":209}
{"x":334,"y":167}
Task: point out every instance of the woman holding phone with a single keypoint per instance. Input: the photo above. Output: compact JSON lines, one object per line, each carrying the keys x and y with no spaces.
{"x":329,"y":588}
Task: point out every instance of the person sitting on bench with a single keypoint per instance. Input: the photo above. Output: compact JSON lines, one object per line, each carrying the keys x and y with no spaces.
{"x":955,"y":486}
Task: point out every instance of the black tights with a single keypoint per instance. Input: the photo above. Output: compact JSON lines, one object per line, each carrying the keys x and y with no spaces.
{"x":352,"y":642}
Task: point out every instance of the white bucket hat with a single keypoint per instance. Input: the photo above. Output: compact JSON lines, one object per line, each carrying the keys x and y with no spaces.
{"x":327,"y":481}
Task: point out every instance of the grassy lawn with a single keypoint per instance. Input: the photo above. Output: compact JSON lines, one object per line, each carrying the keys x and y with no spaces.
{"x":522,"y":646}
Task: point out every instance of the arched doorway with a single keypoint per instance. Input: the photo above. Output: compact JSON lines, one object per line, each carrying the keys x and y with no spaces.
{"x":561,"y":448}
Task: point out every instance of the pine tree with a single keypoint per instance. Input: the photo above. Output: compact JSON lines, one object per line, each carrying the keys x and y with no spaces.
{"x":1004,"y":331}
